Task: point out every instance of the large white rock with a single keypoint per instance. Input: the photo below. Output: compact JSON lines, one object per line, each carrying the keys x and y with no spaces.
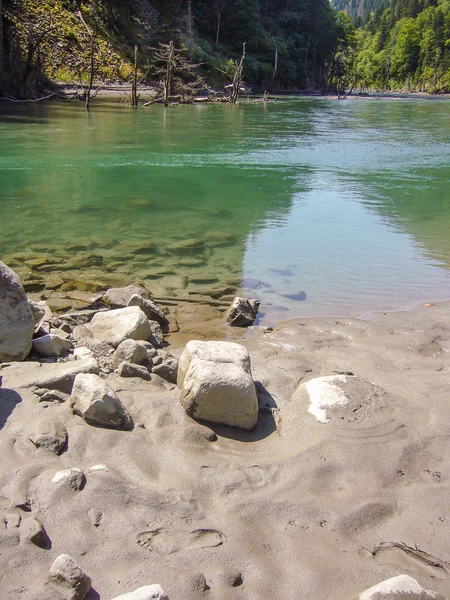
{"x":216,"y":384}
{"x":16,"y":317}
{"x":148,"y":592}
{"x":98,"y":404}
{"x":402,"y":587}
{"x":115,"y":326}
{"x":70,"y":580}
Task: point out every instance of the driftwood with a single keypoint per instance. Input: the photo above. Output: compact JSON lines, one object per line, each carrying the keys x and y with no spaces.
{"x":172,"y":301}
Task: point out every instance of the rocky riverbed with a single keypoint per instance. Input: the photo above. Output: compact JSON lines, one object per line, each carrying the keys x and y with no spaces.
{"x":306,"y":461}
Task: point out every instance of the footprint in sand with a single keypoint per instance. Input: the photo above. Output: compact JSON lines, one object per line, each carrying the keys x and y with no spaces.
{"x":164,"y":542}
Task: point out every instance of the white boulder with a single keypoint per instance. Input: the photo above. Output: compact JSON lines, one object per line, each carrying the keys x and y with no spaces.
{"x":148,"y":592}
{"x":402,"y":587}
{"x":115,"y":326}
{"x":216,"y":384}
{"x":98,"y":404}
{"x":16,"y":318}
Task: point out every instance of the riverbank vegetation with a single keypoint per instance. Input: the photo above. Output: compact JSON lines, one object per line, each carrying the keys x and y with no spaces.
{"x":397,"y":45}
{"x":288,"y":42}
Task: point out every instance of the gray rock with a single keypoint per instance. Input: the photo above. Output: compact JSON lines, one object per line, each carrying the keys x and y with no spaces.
{"x":98,"y":404}
{"x":148,"y":592}
{"x":150,"y":309}
{"x":132,"y":351}
{"x":121,"y":324}
{"x":127,"y":369}
{"x":81,"y":333}
{"x":52,"y":345}
{"x":216,"y":384}
{"x":55,"y":376}
{"x":120,"y":297}
{"x":51,"y":396}
{"x":31,"y":530}
{"x":156,"y":337}
{"x":68,"y":578}
{"x":73,"y":478}
{"x":38,"y":312}
{"x":16,"y":318}
{"x":242,"y":312}
{"x":167,"y":368}
{"x":402,"y":587}
{"x":50,"y":436}
{"x":61,"y":333}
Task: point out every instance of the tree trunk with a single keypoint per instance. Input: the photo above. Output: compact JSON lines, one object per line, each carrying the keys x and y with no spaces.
{"x":238,"y":77}
{"x":134,"y":84}
{"x":2,"y":64}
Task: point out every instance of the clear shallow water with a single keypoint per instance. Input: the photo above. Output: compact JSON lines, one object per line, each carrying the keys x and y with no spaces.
{"x":345,"y":201}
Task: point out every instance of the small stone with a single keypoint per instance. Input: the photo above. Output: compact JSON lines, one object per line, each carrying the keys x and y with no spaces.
{"x":127,"y":369}
{"x":148,"y":592}
{"x":119,"y":297}
{"x":31,"y":530}
{"x":131,"y":351}
{"x":95,"y":516}
{"x":98,"y":404}
{"x":52,"y":345}
{"x":150,"y":309}
{"x":69,"y":578}
{"x":50,"y":436}
{"x":37,"y":310}
{"x":242,"y":312}
{"x":99,"y":468}
{"x":74,"y":478}
{"x":82,"y":353}
{"x":167,"y":369}
{"x":156,"y":337}
{"x":51,"y":396}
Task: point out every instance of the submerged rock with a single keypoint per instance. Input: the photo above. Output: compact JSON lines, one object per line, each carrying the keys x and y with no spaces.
{"x":216,"y":384}
{"x":16,"y":318}
{"x":242,"y":312}
{"x":98,"y":404}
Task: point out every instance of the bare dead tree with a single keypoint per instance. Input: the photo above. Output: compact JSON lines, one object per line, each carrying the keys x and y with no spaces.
{"x":134,"y":83}
{"x":238,"y":77}
{"x":176,"y":72}
{"x":275,"y":65}
{"x":219,"y":7}
{"x":88,"y":89}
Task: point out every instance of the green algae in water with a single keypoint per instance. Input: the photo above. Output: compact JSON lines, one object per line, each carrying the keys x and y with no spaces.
{"x":349,"y":198}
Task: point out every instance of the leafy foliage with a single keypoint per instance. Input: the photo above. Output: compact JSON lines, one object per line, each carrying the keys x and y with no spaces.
{"x":288,"y":42}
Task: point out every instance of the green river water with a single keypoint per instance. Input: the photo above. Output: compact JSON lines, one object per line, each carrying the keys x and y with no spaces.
{"x":314,"y":206}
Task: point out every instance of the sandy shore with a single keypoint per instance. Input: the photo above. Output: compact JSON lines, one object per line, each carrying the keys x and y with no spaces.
{"x":297,"y":509}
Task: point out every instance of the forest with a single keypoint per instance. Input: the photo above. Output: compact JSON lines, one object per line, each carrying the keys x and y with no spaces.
{"x":397,"y":45}
{"x":288,"y":43}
